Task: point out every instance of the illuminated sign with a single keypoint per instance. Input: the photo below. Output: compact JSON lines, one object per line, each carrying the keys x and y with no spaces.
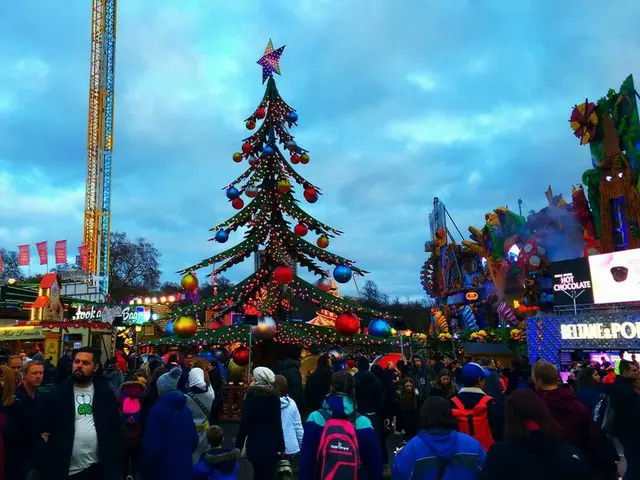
{"x":471,"y":296}
{"x":600,"y":331}
{"x":616,"y":276}
{"x":135,"y":314}
{"x":571,"y":281}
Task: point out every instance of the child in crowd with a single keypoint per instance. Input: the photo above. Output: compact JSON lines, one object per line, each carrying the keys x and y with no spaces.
{"x":219,"y":462}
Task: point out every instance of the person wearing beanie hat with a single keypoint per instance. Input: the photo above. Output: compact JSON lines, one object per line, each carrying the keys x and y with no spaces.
{"x":260,"y":431}
{"x":168,"y":419}
{"x":169,"y":381}
{"x":263,"y":377}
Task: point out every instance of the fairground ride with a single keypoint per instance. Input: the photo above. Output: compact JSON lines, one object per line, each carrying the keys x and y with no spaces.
{"x":97,"y":216}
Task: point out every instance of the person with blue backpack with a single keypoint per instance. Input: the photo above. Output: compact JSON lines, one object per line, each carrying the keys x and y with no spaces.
{"x":338,"y":443}
{"x":439,"y":451}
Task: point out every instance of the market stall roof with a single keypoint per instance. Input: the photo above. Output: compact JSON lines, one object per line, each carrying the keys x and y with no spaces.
{"x":301,"y":334}
{"x":486,"y":348}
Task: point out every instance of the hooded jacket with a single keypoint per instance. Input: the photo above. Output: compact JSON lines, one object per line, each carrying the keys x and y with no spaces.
{"x":169,"y":419}
{"x":199,"y":390}
{"x":540,"y":456}
{"x":133,"y":389}
{"x":261,"y":425}
{"x":574,"y":418}
{"x":421,"y":458}
{"x":121,"y":362}
{"x":341,"y":406}
{"x":217,"y":464}
{"x":291,"y":425}
{"x":422,"y":377}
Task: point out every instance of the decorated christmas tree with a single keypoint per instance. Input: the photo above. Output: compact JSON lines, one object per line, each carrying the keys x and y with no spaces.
{"x":278,"y":227}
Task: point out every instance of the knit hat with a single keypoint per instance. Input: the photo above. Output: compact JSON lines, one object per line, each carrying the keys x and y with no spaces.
{"x":263,"y":377}
{"x":169,"y":381}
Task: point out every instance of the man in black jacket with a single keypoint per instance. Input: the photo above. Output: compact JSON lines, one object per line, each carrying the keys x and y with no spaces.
{"x":290,"y":369}
{"x":625,"y":401}
{"x":81,"y":422}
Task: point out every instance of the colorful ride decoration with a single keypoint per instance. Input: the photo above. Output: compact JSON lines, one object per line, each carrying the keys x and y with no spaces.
{"x":611,"y":128}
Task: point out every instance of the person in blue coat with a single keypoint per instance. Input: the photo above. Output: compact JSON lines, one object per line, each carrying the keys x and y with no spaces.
{"x":340,"y":404}
{"x":439,"y":451}
{"x":170,"y":435}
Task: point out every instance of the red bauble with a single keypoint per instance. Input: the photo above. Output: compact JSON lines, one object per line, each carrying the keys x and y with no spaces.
{"x":247,"y":148}
{"x":240,"y":356}
{"x":237,"y":203}
{"x":283,"y":275}
{"x":250,"y":124}
{"x":310,"y":195}
{"x":323,"y":241}
{"x":260,"y":113}
{"x":189,"y":282}
{"x":348,"y":324}
{"x":295,"y":158}
{"x":300,"y":229}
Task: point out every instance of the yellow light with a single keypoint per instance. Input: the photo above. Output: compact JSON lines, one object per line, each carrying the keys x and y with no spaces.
{"x":147,"y":300}
{"x":131,"y":302}
{"x":163,"y":299}
{"x":11,"y":281}
{"x":138,"y":328}
{"x":172,"y":298}
{"x":139,"y":301}
{"x":154,"y":300}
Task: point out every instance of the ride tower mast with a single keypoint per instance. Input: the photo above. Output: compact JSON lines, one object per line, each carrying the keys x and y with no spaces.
{"x":97,"y":217}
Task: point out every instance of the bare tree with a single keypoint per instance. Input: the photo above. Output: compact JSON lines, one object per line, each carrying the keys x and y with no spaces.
{"x":135,"y":266}
{"x":10,"y":268}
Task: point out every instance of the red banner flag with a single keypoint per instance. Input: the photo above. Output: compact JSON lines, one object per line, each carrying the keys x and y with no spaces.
{"x":42,"y":252}
{"x":24,"y":255}
{"x":84,"y":257}
{"x":61,"y":252}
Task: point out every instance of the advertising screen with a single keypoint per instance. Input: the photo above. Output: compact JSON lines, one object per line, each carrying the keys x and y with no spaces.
{"x":571,"y":282}
{"x":615,"y":276}
{"x":613,"y":358}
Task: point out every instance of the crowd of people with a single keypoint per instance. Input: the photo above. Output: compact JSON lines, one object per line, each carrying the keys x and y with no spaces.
{"x":160,"y":420}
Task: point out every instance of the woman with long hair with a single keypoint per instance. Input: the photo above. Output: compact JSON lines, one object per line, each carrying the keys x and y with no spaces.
{"x":19,"y":433}
{"x":532,"y":448}
{"x":444,"y":386}
{"x":407,"y":413}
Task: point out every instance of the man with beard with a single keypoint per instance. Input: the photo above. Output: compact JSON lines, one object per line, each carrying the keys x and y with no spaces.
{"x":81,"y":423}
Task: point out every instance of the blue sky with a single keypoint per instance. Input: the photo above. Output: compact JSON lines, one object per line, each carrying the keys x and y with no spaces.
{"x":399,"y":102}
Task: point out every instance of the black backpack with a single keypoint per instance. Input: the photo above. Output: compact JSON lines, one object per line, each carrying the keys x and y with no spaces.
{"x":603,"y":414}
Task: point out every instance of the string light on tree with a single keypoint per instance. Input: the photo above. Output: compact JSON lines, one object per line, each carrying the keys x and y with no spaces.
{"x":274,"y":221}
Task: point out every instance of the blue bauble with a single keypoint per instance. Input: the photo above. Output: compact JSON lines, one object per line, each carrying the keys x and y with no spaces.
{"x":268,"y":150}
{"x":222,"y":236}
{"x":379,"y":327}
{"x":232,"y":193}
{"x":342,"y":274}
{"x":291,"y":144}
{"x":168,"y":330}
{"x":636,"y":145}
{"x":293,"y":117}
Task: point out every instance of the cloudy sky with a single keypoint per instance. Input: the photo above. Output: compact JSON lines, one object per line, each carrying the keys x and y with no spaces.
{"x":399,"y":102}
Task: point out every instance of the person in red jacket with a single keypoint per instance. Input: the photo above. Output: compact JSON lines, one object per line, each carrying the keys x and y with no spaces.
{"x":569,"y":413}
{"x":121,"y":363}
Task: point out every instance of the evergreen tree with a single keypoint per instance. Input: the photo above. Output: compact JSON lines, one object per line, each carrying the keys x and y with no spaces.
{"x":267,"y":185}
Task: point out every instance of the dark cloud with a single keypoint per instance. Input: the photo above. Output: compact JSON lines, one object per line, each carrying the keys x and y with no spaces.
{"x":399,"y":103}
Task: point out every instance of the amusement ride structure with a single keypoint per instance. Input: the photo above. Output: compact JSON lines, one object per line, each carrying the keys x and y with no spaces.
{"x":97,"y":217}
